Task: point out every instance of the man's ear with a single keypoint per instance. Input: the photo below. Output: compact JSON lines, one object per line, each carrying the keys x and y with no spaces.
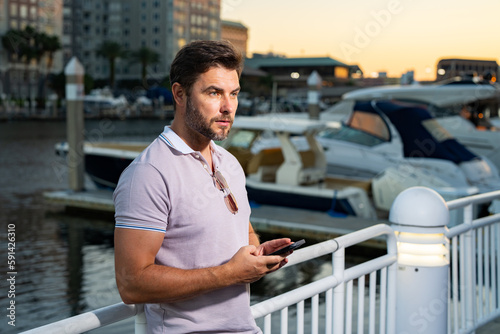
{"x":179,"y":94}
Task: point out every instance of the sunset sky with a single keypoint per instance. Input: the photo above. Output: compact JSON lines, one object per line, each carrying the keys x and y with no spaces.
{"x":392,"y":36}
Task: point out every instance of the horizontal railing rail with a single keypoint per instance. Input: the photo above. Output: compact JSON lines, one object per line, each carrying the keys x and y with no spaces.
{"x":92,"y":320}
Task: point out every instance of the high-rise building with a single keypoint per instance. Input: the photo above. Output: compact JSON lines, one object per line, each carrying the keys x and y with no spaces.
{"x":18,"y":78}
{"x":163,"y":26}
{"x":236,"y":33}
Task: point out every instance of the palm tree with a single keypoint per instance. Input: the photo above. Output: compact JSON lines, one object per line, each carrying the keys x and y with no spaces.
{"x":11,"y":42}
{"x":145,"y":56}
{"x":111,"y":51}
{"x":51,"y":45}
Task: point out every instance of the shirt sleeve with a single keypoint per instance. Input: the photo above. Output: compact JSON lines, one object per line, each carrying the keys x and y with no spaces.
{"x":141,"y":199}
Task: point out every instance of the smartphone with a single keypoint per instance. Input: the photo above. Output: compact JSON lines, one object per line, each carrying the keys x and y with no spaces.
{"x":288,"y":248}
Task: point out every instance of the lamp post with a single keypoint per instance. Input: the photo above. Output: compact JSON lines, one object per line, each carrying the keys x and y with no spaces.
{"x":419,"y":216}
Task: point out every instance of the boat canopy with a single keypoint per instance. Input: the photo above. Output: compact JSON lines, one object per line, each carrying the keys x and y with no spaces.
{"x":275,"y":123}
{"x":421,"y":134}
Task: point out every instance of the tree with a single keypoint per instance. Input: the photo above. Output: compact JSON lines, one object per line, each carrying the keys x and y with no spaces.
{"x":145,"y":56}
{"x":12,"y":41}
{"x":51,"y":45}
{"x":24,"y":46}
{"x":111,"y":51}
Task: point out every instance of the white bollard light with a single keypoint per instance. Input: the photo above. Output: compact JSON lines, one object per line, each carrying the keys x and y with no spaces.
{"x":419,"y":216}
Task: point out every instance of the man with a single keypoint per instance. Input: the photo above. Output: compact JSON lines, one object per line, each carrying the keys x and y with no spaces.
{"x":183,"y":241}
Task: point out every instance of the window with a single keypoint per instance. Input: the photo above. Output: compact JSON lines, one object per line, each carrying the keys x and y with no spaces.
{"x":33,"y":12}
{"x":13,"y":9}
{"x":369,"y":123}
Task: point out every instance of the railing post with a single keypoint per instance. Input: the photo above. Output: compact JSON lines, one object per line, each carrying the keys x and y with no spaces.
{"x":140,"y":320}
{"x":470,"y":269}
{"x":419,"y":216}
{"x":339,"y":291}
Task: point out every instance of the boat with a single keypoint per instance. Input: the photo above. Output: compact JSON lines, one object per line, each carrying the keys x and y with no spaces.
{"x":282,"y":176}
{"x":379,"y":134}
{"x":105,"y":161}
{"x":101,"y":103}
{"x":467,"y":109}
{"x":284,"y":181}
{"x":285,"y":176}
{"x":396,"y":145}
{"x":382,"y":163}
{"x":355,"y":168}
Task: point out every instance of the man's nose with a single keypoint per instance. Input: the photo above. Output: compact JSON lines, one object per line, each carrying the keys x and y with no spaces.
{"x":229,"y":104}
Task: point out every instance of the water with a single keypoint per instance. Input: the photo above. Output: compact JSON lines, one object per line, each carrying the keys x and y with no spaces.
{"x":64,"y":262}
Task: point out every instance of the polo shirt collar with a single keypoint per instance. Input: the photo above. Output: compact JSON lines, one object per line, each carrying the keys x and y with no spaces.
{"x":173,"y":140}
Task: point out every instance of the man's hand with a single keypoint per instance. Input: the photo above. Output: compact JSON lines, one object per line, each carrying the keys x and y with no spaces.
{"x":273,"y":245}
{"x":249,"y":265}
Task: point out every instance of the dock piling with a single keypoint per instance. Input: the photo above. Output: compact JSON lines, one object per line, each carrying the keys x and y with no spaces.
{"x":314,"y":83}
{"x":74,"y":123}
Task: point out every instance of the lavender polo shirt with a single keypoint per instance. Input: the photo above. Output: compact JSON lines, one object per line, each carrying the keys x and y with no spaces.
{"x":169,"y":189}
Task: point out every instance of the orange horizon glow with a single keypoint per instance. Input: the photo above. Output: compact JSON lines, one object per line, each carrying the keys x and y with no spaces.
{"x":392,"y":36}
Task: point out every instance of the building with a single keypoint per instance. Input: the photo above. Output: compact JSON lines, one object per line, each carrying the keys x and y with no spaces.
{"x":236,"y":33}
{"x":17,"y":78}
{"x":162,"y":26}
{"x":449,"y":68}
{"x":293,"y":72}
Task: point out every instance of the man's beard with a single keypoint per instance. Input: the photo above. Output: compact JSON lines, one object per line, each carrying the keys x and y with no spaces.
{"x":196,"y":121}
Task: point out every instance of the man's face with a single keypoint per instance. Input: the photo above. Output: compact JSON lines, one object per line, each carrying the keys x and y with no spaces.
{"x":211,"y":106}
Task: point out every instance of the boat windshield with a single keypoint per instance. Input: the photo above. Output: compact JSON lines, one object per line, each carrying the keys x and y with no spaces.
{"x":369,"y":123}
{"x":348,"y":134}
{"x":362,"y":128}
{"x":243,"y":138}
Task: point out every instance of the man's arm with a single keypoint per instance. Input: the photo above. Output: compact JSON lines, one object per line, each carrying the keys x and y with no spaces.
{"x":140,"y":280}
{"x":253,"y":238}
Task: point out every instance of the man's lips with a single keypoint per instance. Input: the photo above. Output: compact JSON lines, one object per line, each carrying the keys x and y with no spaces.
{"x":224,"y":122}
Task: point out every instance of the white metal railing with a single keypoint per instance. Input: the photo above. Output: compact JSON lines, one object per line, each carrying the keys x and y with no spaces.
{"x":333,"y":304}
{"x":339,"y":305}
{"x":474,"y":279}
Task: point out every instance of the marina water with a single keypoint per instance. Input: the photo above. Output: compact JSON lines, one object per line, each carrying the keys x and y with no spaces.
{"x":64,"y":260}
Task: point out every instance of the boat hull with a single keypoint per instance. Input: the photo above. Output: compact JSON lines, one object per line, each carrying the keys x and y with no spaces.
{"x":301,"y":201}
{"x":105,"y":171}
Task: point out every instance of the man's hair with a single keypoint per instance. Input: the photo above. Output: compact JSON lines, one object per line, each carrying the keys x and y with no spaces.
{"x":198,"y":57}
